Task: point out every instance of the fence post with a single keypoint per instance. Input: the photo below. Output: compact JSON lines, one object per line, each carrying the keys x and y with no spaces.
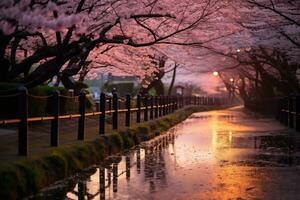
{"x":163,"y":98}
{"x":281,"y":117}
{"x":169,"y":106}
{"x":81,"y":121}
{"x":146,"y":108}
{"x":290,"y":114}
{"x":165,"y":105}
{"x":55,"y":122}
{"x":109,"y":104}
{"x":138,"y":112}
{"x":102,"y":115}
{"x":297,"y":105}
{"x":181,"y":101}
{"x":23,"y":125}
{"x":128,"y":105}
{"x":151,"y":107}
{"x":188,"y":100}
{"x":102,"y":181}
{"x":115,"y":111}
{"x":156,"y":107}
{"x":172,"y":108}
{"x":276,"y":107}
{"x":160,"y":106}
{"x":285,"y":105}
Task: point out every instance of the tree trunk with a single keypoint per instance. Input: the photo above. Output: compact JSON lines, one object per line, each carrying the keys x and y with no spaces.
{"x":173,"y":80}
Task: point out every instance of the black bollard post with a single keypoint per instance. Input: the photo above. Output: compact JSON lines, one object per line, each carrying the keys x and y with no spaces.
{"x":102,"y":115}
{"x":115,"y":177}
{"x":128,"y":105}
{"x":172,"y":106}
{"x":115,"y":111}
{"x":281,"y":113}
{"x":185,"y":101}
{"x":81,"y":120}
{"x":297,"y":108}
{"x":156,"y":103}
{"x":23,"y":125}
{"x":81,"y":189}
{"x":55,"y":122}
{"x":169,"y":105}
{"x":163,"y":105}
{"x":127,"y":163}
{"x":102,"y":181}
{"x":165,"y":100}
{"x":138,"y":160}
{"x":286,"y":114}
{"x":160,"y":106}
{"x":151,"y":107}
{"x":109,"y":103}
{"x":109,"y":170}
{"x":166,"y":105}
{"x":290,"y":113}
{"x":146,"y":108}
{"x":168,"y":99}
{"x":180,"y":102}
{"x":138,"y":112}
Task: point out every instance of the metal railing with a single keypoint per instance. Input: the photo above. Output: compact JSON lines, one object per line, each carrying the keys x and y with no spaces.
{"x":288,"y":112}
{"x":152,"y":106}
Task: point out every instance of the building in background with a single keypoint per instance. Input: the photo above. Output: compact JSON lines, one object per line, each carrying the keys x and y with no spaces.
{"x":96,"y":85}
{"x":114,"y":80}
{"x":106,"y":83}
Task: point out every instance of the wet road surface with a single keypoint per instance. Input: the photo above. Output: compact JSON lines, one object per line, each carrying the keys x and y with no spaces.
{"x":225,"y":154}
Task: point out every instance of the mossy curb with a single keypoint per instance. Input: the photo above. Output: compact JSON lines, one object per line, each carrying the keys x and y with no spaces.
{"x":31,"y":174}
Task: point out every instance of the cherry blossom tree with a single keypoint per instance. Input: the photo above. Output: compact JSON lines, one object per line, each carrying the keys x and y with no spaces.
{"x":42,"y":38}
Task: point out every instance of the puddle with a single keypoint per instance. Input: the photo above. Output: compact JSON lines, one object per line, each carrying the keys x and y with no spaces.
{"x":211,"y":155}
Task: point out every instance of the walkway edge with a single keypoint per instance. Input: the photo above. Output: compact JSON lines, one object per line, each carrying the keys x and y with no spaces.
{"x":28,"y":176}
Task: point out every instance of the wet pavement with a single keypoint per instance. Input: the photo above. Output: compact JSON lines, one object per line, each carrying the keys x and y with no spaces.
{"x":226,"y":154}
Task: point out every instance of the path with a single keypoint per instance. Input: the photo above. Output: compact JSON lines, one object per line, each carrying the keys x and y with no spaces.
{"x":227,"y":154}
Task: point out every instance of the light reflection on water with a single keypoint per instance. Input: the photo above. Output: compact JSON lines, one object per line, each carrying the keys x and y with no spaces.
{"x":212,"y":155}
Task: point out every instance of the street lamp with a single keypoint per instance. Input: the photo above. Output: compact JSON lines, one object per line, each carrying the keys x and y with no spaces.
{"x":232,"y":89}
{"x":215,"y":73}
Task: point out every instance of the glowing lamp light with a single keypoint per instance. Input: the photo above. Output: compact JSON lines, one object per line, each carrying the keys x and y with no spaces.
{"x":238,"y":50}
{"x":231,"y":79}
{"x":216,"y":73}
